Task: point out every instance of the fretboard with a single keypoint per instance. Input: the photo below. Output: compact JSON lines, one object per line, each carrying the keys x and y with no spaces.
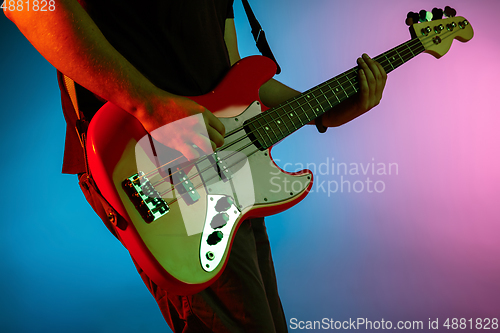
{"x":275,"y":124}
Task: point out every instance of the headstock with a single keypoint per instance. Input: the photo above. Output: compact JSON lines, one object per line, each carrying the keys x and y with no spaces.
{"x":437,"y":34}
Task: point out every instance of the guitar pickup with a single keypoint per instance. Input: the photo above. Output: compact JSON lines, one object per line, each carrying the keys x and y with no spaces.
{"x":184,"y":186}
{"x":221,"y":166}
{"x":145,"y":197}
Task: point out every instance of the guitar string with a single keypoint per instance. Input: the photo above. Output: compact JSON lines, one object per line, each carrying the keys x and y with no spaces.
{"x":201,"y":184}
{"x":406,"y":47}
{"x":271,"y":112}
{"x":316,"y":88}
{"x":274,"y":110}
{"x":236,"y":130}
{"x":152,"y":172}
{"x":312,"y":91}
{"x":346,"y":74}
{"x":283,"y":105}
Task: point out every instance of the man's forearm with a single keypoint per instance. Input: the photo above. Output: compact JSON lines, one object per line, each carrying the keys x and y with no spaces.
{"x":69,"y":39}
{"x":273,"y":93}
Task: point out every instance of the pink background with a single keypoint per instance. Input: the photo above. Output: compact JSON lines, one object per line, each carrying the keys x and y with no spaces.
{"x":427,"y":247}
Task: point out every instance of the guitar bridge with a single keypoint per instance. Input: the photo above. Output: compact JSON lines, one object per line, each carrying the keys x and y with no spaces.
{"x":145,"y":197}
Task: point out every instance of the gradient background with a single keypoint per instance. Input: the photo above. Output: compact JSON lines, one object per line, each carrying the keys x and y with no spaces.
{"x":426,"y":247}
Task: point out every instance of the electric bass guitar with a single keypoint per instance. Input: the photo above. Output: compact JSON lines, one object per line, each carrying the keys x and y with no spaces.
{"x":180,"y":217}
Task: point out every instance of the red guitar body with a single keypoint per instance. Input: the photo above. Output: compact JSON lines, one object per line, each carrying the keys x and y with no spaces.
{"x":176,"y":250}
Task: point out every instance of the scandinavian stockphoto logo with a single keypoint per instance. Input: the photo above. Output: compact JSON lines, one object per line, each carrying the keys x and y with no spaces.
{"x":333,"y":177}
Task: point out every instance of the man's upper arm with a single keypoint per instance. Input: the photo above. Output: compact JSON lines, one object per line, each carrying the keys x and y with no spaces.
{"x":231,"y":41}
{"x":271,"y":93}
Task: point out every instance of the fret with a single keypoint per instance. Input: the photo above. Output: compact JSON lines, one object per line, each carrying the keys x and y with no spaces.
{"x":341,"y":86}
{"x":329,"y":96}
{"x":343,"y":90}
{"x":279,"y":125}
{"x":294,"y":104}
{"x":392,"y":54}
{"x":283,"y":120}
{"x":311,"y":107}
{"x":409,"y":48}
{"x":307,"y":109}
{"x":293,"y":118}
{"x":307,"y":113}
{"x":334,"y":94}
{"x":283,"y":134}
{"x":349,"y":88}
{"x":326,"y":106}
{"x":407,"y":55}
{"x":318,"y":112}
{"x":289,"y":115}
{"x":402,"y":60}
{"x":315,"y":110}
{"x":262,"y":136}
{"x":302,"y":114}
{"x":284,"y":110}
{"x":396,"y":60}
{"x":270,"y":125}
{"x":389,"y":61}
{"x":354,"y":77}
{"x":322,"y":100}
{"x":353,"y":87}
{"x":262,"y":129}
{"x":323,"y":94}
{"x":344,"y":82}
{"x":291,"y":126}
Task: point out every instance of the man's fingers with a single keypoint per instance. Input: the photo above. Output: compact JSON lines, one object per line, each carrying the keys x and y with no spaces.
{"x":215,"y":129}
{"x":379,"y":75}
{"x":364,"y":82}
{"x":214,"y":122}
{"x":368,"y":67}
{"x":188,"y":151}
{"x":215,"y":136}
{"x":374,"y":77}
{"x":382,"y":81}
{"x":203,"y":143}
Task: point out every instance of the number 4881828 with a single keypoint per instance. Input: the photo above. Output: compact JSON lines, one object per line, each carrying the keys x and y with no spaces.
{"x":29,"y":5}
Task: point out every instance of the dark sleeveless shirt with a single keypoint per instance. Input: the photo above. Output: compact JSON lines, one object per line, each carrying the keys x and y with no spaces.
{"x":178,"y":45}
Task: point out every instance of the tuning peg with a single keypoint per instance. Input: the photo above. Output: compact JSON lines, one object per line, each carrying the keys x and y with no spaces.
{"x":437,"y":14}
{"x":409,"y":18}
{"x":424,"y":15}
{"x":412,"y":18}
{"x":449,"y":12}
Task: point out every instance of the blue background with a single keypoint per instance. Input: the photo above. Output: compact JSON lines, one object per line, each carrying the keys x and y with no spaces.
{"x":426,"y":247}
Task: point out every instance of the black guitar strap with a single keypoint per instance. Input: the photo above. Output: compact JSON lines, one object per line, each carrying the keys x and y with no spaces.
{"x":259,"y":35}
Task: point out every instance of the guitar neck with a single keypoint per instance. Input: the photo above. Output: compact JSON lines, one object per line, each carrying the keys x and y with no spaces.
{"x":275,"y":124}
